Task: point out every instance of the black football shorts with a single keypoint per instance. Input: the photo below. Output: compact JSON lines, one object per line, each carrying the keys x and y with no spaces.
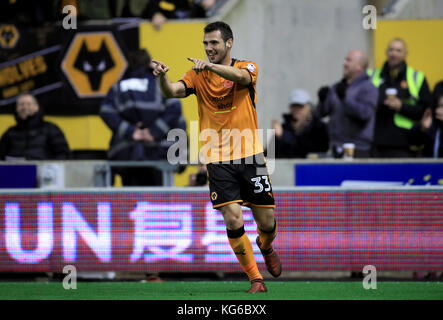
{"x":247,"y":183}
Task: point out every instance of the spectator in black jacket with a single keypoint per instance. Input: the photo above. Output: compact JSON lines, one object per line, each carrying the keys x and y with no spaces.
{"x":302,"y":131}
{"x":32,"y":138}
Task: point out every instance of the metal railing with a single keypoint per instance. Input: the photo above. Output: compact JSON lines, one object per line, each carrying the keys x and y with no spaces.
{"x":103,"y":173}
{"x":86,"y":173}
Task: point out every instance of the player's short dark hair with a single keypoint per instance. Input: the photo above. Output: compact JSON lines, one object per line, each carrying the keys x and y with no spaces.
{"x":224,"y":29}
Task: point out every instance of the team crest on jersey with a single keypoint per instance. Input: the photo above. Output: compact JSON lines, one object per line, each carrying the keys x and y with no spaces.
{"x":228,"y":84}
{"x":214,"y":196}
{"x":250,"y":67}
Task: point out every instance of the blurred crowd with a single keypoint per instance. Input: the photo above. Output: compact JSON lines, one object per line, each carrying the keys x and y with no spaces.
{"x":134,"y":109}
{"x":388,"y":112}
{"x":39,"y":12}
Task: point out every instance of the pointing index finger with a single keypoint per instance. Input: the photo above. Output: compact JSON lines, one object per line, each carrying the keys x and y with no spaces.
{"x":191,"y":59}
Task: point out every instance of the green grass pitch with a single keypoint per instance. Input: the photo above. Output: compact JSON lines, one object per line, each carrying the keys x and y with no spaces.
{"x":221,"y":290}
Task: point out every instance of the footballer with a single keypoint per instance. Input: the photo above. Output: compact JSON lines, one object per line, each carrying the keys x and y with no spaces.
{"x":226,"y":95}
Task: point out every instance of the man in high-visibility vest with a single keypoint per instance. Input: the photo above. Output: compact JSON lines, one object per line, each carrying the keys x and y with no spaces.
{"x":403,"y":97}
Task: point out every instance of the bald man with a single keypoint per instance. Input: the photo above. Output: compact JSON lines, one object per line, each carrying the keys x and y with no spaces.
{"x":350,"y":104}
{"x":403,"y":97}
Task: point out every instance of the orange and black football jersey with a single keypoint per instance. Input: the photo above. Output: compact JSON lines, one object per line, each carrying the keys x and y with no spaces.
{"x":227,"y":114}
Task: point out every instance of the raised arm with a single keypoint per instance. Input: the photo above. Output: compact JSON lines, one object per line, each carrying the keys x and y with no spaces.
{"x":241,"y":76}
{"x":168,"y":88}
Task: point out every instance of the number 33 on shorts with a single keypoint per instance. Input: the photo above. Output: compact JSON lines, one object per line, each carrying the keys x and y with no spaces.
{"x":261,"y":184}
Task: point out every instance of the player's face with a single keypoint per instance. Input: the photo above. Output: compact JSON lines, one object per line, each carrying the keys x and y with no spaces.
{"x":216,"y":49}
{"x":396,"y":53}
{"x":26,"y":106}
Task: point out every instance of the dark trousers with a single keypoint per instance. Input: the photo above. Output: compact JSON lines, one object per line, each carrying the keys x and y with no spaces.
{"x":393,"y":152}
{"x":140,"y":176}
{"x":358,"y":153}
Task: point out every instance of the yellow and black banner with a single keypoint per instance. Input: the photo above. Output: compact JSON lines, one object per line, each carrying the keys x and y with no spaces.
{"x":69,"y":71}
{"x":93,"y":63}
{"x":25,"y":65}
{"x":9,"y":36}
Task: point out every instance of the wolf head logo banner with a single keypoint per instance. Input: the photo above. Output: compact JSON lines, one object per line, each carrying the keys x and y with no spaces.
{"x":93,"y":63}
{"x":9,"y":36}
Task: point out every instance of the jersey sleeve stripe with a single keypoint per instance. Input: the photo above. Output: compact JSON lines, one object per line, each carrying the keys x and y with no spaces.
{"x":188,"y":91}
{"x":252,"y":94}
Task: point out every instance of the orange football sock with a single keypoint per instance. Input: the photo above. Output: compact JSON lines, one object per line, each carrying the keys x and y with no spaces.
{"x":266,"y":238}
{"x":242,"y":247}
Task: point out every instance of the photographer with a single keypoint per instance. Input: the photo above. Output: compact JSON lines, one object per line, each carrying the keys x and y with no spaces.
{"x":302,"y":132}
